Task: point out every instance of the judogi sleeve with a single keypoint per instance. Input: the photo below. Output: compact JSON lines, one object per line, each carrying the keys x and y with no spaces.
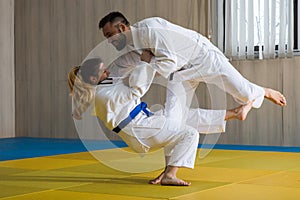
{"x":139,"y":81}
{"x":162,"y":46}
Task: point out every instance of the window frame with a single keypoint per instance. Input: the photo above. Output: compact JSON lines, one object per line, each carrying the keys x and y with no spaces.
{"x":296,"y":25}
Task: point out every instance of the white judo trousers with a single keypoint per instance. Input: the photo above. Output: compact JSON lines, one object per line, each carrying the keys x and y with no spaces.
{"x":180,"y":145}
{"x":178,"y":111}
{"x":209,"y":65}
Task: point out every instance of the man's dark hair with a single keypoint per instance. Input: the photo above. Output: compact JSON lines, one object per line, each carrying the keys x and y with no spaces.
{"x":113,"y":17}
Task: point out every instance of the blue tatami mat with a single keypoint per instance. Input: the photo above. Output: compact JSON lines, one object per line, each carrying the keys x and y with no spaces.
{"x":252,"y":148}
{"x":18,"y":148}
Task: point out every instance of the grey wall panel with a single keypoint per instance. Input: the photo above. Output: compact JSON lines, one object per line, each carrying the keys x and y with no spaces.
{"x":53,"y":35}
{"x":7,"y":79}
{"x":23,"y":119}
{"x":291,"y":114}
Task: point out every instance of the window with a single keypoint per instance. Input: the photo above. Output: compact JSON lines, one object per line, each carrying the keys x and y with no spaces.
{"x":260,"y":22}
{"x":254,"y":28}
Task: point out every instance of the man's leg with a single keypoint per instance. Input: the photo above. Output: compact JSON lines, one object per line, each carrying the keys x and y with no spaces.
{"x":177,"y":109}
{"x":239,"y":113}
{"x":178,"y":98}
{"x":182,"y":154}
{"x":180,"y":147}
{"x":214,"y":121}
{"x":170,"y":178}
{"x":214,"y":68}
{"x":242,"y":90}
{"x":157,"y":180}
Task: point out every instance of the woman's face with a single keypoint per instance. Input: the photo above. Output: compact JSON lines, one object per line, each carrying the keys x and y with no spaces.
{"x":102,"y":75}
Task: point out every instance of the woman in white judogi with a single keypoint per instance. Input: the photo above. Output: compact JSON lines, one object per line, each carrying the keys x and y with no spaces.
{"x":114,"y":103}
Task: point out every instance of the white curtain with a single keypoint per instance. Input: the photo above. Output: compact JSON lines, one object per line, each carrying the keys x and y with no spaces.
{"x":253,"y":28}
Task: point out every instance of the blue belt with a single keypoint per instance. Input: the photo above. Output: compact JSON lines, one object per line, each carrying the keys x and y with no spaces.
{"x":141,"y":107}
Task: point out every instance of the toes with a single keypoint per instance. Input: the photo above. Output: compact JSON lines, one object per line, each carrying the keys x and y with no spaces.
{"x":154,"y":182}
{"x":183,"y":183}
{"x":186,"y":183}
{"x":174,"y":182}
{"x":282,"y":102}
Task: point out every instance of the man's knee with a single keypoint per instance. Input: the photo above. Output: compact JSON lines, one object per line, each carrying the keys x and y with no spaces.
{"x":192,"y":134}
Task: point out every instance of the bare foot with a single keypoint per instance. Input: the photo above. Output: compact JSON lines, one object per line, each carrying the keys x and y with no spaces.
{"x":174,"y":181}
{"x":275,"y":96}
{"x":240,"y":112}
{"x":157,"y":180}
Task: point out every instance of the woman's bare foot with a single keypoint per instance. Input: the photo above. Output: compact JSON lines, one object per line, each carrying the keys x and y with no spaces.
{"x":240,"y":112}
{"x":157,"y":180}
{"x":174,"y":181}
{"x":275,"y":96}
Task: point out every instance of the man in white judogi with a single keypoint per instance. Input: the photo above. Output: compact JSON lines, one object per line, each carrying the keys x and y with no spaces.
{"x":186,"y":52}
{"x":182,"y":55}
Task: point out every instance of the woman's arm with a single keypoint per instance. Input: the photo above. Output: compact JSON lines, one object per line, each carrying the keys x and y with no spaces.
{"x":140,"y":80}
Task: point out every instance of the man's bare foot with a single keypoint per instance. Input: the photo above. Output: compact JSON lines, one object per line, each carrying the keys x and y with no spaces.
{"x":174,"y":181}
{"x":240,"y":112}
{"x":157,"y":180}
{"x":275,"y":96}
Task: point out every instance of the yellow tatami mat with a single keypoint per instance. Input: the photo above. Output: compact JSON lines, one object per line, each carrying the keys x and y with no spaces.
{"x":222,"y":175}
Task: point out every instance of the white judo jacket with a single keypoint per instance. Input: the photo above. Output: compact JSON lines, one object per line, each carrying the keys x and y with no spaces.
{"x":174,"y":47}
{"x":193,"y":57}
{"x":114,"y":102}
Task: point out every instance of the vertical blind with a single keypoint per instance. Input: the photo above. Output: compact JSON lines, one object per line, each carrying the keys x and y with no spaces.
{"x":244,"y":29}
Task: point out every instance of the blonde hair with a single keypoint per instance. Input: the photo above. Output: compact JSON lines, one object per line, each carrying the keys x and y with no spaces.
{"x":82,"y":93}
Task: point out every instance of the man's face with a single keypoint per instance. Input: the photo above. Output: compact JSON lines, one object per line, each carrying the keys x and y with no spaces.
{"x":113,"y":33}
